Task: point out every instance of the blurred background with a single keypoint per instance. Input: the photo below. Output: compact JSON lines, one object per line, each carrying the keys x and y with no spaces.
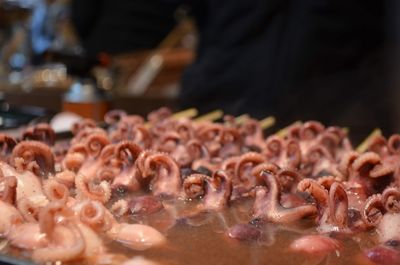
{"x":333,"y":61}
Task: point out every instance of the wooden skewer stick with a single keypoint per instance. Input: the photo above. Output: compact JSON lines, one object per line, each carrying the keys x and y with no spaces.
{"x":282,"y":132}
{"x":211,"y":116}
{"x":242,"y":118}
{"x":188,"y":113}
{"x":267,"y":122}
{"x":364,"y":145}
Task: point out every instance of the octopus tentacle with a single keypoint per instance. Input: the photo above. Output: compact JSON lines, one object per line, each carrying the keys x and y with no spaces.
{"x":167,"y":176}
{"x":34,"y":151}
{"x":218,"y":189}
{"x":381,"y":170}
{"x":93,"y":214}
{"x":330,"y":141}
{"x":373,"y":210}
{"x":288,"y":179}
{"x":267,"y":204}
{"x":197,"y":150}
{"x":82,"y":125}
{"x":346,"y":162}
{"x":120,"y":207}
{"x":310,"y":130}
{"x":114,"y":116}
{"x":159,"y":114}
{"x":193,"y":186}
{"x":368,"y":158}
{"x":377,"y":144}
{"x":7,"y":144}
{"x":327,"y":181}
{"x":40,"y":132}
{"x":394,"y":144}
{"x":391,"y":199}
{"x":55,"y":191}
{"x":251,"y":157}
{"x":274,"y":146}
{"x":268,"y":167}
{"x":293,"y":154}
{"x":62,"y":253}
{"x":128,"y":152}
{"x":100,"y":192}
{"x":95,"y":143}
{"x":316,"y":190}
{"x":338,"y":205}
{"x":28,"y":209}
{"x":66,"y":177}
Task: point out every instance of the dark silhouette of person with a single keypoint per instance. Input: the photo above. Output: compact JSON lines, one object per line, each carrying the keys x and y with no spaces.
{"x":296,"y":59}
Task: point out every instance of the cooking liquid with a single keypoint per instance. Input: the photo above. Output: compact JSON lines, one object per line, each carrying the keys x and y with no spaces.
{"x":202,"y":240}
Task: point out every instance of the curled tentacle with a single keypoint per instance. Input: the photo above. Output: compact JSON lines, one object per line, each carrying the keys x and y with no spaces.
{"x":120,"y":207}
{"x":193,"y":186}
{"x":327,"y":181}
{"x":288,"y":179}
{"x":92,"y":213}
{"x":365,"y":160}
{"x":310,"y":130}
{"x":373,"y":210}
{"x":33,"y":151}
{"x":267,"y":204}
{"x":338,"y":205}
{"x":378,"y":144}
{"x":268,"y":167}
{"x":55,"y":191}
{"x":316,"y":190}
{"x":293,"y":154}
{"x":166,"y":173}
{"x":73,"y":162}
{"x":346,"y":161}
{"x":159,"y":115}
{"x":66,"y":177}
{"x":381,"y":170}
{"x":394,"y":144}
{"x":88,"y":188}
{"x":7,"y":144}
{"x":127,"y":152}
{"x":82,"y":125}
{"x":40,"y":132}
{"x":391,"y":199}
{"x":218,"y":190}
{"x":114,"y":116}
{"x":197,"y":150}
{"x":248,"y":158}
{"x":274,"y":146}
{"x":95,"y":143}
{"x":330,"y":141}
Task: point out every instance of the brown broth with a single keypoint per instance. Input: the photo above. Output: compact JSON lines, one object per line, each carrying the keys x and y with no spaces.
{"x":205,"y":242}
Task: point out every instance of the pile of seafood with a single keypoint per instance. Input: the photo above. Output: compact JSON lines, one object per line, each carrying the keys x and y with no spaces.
{"x":69,"y":201}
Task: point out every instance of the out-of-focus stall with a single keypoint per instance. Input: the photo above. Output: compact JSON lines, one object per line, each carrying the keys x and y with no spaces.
{"x":44,"y":66}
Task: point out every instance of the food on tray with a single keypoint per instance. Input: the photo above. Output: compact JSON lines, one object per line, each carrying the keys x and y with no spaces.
{"x":168,"y":190}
